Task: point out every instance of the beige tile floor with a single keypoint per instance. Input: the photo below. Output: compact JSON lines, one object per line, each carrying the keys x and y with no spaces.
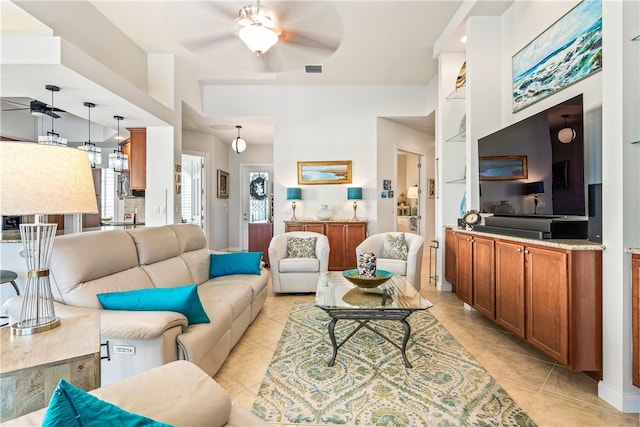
{"x":548,"y":392}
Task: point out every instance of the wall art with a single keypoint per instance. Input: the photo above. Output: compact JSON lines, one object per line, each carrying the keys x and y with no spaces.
{"x":223,"y":184}
{"x":331,"y":172}
{"x":566,"y":52}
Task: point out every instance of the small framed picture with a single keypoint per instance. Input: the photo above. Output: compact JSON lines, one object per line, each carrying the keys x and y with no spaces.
{"x":390,"y":194}
{"x":223,"y":184}
{"x":383,"y":194}
{"x":386,"y":184}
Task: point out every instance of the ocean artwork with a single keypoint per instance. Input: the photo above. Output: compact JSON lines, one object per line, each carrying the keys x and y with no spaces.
{"x":568,"y":51}
{"x":332,"y":172}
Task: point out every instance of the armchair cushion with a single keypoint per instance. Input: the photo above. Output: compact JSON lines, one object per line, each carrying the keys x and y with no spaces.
{"x":301,"y":247}
{"x":71,"y":406}
{"x":395,"y":247}
{"x":234,"y":263}
{"x":181,"y":299}
{"x":299,"y":265}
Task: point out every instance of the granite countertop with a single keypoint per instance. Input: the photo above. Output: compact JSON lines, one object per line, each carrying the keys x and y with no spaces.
{"x":571,"y":244}
{"x":13,"y":236}
{"x":634,"y":251}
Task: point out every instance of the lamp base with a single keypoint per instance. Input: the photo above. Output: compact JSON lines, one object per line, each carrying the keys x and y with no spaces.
{"x":26,"y":328}
{"x":355,"y":207}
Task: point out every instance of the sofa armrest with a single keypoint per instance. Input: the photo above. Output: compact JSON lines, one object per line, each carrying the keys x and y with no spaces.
{"x":121,"y":324}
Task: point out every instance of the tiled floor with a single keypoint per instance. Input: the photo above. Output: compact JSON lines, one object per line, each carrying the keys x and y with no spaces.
{"x":551,"y":395}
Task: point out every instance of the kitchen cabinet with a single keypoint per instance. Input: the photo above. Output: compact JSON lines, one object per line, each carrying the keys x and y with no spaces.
{"x":450,"y":256}
{"x":548,"y":293}
{"x":260,"y":234}
{"x":344,"y":237}
{"x":635,"y":316}
{"x":136,"y":148}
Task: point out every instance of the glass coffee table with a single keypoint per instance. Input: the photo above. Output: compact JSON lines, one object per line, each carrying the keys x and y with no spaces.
{"x":396,"y":299}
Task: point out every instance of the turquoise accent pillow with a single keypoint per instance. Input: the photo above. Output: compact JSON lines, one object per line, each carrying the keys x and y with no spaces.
{"x":70,"y":406}
{"x":234,"y":263}
{"x":181,"y":299}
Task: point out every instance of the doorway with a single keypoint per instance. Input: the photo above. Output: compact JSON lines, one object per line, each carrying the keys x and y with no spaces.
{"x":257,"y":208}
{"x":193,"y":192}
{"x":409,"y":211}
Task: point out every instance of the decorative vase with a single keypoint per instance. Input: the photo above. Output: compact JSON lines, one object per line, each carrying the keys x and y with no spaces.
{"x":504,"y":208}
{"x":367,"y":265}
{"x":324,"y":213}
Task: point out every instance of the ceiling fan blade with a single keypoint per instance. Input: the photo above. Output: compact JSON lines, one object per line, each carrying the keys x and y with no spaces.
{"x":322,"y":42}
{"x":16,"y":109}
{"x":198,"y":44}
{"x":50,"y":113}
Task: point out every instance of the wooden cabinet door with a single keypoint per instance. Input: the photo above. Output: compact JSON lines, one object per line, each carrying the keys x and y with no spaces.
{"x":355,"y":234}
{"x":337,"y":235}
{"x":138,"y":159}
{"x":635,"y":316}
{"x":315,"y":227}
{"x":483,"y":278}
{"x":450,"y":256}
{"x":464,"y":267}
{"x":510,"y":291}
{"x":547,"y":301}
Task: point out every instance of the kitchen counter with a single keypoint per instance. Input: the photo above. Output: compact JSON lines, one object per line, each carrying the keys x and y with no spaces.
{"x":635,"y":251}
{"x":13,"y":236}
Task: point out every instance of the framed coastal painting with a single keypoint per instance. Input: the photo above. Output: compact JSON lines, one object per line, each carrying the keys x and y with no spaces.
{"x":330,"y":172}
{"x":566,"y":52}
{"x":502,"y":168}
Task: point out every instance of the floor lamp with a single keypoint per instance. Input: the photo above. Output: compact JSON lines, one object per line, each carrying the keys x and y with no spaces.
{"x":38,"y":180}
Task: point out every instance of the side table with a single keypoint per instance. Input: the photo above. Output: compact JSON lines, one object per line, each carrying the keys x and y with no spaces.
{"x":32,"y":365}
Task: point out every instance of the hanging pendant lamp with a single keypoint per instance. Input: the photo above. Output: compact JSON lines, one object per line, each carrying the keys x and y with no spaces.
{"x":566,"y":134}
{"x":238,"y":144}
{"x":51,"y":138}
{"x":95,"y":153}
{"x":118,"y":161}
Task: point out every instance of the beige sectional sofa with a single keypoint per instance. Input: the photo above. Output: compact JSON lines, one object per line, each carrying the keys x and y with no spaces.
{"x":86,"y":264}
{"x":178,"y":394}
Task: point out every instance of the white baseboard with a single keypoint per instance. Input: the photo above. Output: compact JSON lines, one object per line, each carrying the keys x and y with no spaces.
{"x":627,"y":403}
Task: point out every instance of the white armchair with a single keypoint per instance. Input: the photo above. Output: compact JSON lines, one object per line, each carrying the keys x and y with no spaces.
{"x":411,"y":268}
{"x":293,"y":275}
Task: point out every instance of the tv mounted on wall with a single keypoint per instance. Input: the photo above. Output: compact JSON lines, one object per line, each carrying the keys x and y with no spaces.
{"x":538,"y":140}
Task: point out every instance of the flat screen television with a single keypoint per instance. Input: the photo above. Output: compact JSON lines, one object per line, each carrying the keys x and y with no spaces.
{"x":535,"y":166}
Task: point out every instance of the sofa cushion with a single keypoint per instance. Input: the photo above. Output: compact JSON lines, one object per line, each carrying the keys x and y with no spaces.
{"x":234,"y":263}
{"x":299,"y":265}
{"x":301,"y":247}
{"x":70,"y":406}
{"x":182,"y":299}
{"x":154,"y":244}
{"x":395,"y":247}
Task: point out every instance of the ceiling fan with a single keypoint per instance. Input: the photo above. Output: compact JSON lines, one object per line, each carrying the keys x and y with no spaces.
{"x":35,"y":107}
{"x":282,"y":36}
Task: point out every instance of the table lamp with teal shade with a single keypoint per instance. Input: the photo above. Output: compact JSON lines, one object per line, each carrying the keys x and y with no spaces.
{"x":355,"y":194}
{"x":294,"y":194}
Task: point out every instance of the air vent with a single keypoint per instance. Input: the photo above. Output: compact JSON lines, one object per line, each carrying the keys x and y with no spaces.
{"x":313,"y":69}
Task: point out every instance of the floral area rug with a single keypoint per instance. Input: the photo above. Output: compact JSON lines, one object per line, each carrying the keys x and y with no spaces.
{"x":369,"y":384}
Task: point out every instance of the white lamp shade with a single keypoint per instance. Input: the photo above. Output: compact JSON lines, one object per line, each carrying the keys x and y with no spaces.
{"x":566,"y":135}
{"x":45,"y":179}
{"x":412,"y":193}
{"x":258,"y":37}
{"x":238,"y":145}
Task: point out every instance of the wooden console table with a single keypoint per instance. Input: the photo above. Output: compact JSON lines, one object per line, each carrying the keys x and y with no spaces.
{"x":32,"y":365}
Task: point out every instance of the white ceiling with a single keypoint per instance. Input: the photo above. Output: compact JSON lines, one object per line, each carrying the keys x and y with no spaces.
{"x":378,"y":43}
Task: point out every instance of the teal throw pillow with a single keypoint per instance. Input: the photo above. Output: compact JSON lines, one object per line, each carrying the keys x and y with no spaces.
{"x":234,"y":263}
{"x":70,"y":406}
{"x":301,"y":247}
{"x":395,"y":247}
{"x":181,"y":299}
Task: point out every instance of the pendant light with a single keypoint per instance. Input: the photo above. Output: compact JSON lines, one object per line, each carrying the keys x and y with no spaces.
{"x":566,"y":134}
{"x":118,"y":161}
{"x":238,"y":144}
{"x":95,"y":153}
{"x":51,"y":138}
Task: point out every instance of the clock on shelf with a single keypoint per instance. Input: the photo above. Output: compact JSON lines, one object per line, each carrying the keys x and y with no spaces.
{"x":471,"y":218}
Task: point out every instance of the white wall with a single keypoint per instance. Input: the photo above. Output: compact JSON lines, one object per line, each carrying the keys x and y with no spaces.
{"x":322,"y":123}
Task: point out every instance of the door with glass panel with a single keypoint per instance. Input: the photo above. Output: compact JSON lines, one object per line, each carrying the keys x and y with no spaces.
{"x":257,"y":208}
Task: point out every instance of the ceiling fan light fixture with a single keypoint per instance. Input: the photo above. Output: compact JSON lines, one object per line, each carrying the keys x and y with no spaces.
{"x":238,"y":144}
{"x":258,"y":38}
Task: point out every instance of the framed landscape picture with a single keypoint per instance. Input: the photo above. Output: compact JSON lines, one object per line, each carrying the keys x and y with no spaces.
{"x":330,"y":172}
{"x":566,"y":52}
{"x":502,"y":168}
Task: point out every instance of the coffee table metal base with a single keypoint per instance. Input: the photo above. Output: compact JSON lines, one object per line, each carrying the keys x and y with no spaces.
{"x":363,"y":317}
